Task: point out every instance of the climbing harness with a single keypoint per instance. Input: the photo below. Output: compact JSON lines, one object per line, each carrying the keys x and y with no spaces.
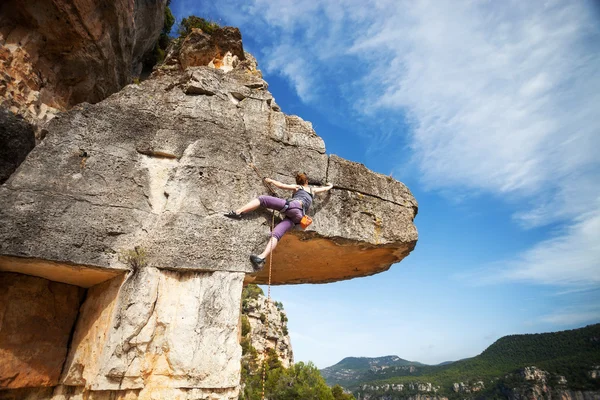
{"x":288,"y":207}
{"x":264,"y":361}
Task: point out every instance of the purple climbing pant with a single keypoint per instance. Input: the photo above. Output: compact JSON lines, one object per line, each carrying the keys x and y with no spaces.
{"x":293,"y":215}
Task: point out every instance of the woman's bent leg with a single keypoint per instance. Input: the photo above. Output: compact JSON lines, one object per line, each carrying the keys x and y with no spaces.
{"x":274,"y":203}
{"x":250,"y":206}
{"x":270,"y":247}
{"x":276,"y":235}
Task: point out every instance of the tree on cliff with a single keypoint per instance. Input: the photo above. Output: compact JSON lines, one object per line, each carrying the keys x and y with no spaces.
{"x":338,"y":393}
{"x":300,"y":381}
{"x":187,"y":24}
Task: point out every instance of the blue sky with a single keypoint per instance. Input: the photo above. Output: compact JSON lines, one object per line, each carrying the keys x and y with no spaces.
{"x":489,"y":112}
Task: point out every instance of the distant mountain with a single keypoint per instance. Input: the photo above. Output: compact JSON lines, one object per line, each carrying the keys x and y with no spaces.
{"x":515,"y":365}
{"x":445,"y":363}
{"x":353,"y":369}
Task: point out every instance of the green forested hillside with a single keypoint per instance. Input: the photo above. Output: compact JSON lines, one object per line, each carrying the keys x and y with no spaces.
{"x":571,"y":354}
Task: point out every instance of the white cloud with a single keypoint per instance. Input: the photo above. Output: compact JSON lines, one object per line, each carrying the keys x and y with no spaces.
{"x":502,"y":100}
{"x":570,"y":316}
{"x":570,"y":259}
{"x":290,"y":63}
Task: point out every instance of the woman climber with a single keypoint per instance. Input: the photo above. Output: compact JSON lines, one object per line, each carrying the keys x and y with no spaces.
{"x":294,"y":209}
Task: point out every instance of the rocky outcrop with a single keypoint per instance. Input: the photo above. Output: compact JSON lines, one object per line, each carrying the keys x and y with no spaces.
{"x":268,"y":329}
{"x":534,"y":383}
{"x":59,"y":53}
{"x":534,"y":374}
{"x":411,"y":390}
{"x":157,"y":164}
{"x":126,"y":197}
{"x":461,"y":387}
{"x":222,"y":49}
{"x":16,"y":141}
{"x":395,"y":396}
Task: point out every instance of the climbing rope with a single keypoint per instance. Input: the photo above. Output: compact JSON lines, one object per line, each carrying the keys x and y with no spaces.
{"x":272,"y":193}
{"x":264,"y":361}
{"x":262,"y":178}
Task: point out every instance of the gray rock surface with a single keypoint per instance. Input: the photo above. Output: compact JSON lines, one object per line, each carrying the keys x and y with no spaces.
{"x":152,"y":166}
{"x":200,"y":48}
{"x":16,"y":141}
{"x":268,"y":329}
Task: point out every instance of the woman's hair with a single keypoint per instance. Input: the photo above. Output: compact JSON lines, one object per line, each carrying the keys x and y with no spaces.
{"x":301,"y":178}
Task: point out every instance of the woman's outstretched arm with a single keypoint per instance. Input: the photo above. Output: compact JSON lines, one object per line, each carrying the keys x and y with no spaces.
{"x":322,"y":189}
{"x":281,"y":185}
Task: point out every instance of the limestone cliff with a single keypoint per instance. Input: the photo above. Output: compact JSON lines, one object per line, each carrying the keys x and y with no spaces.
{"x":267,"y":328}
{"x":529,"y":383}
{"x":410,"y":391}
{"x":536,"y":384}
{"x":125,"y":197}
{"x":58,"y":53}
{"x":157,"y":164}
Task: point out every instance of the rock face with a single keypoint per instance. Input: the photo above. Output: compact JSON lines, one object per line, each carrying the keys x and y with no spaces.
{"x":461,"y":387}
{"x":16,"y":141}
{"x":268,"y":329}
{"x":412,"y":390}
{"x":163,"y":331}
{"x":157,"y":164}
{"x":200,"y":48}
{"x":396,"y":396}
{"x":535,"y":385}
{"x":55,"y":54}
{"x":36,"y":319}
{"x":153,"y":168}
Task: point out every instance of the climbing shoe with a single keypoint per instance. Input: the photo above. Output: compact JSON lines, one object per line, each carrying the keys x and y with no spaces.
{"x":257,"y":262}
{"x":233,"y":215}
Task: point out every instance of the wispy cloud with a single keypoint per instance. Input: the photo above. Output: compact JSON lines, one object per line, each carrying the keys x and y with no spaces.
{"x":290,"y":63}
{"x":570,"y":316}
{"x":571,"y":259}
{"x":502,"y":99}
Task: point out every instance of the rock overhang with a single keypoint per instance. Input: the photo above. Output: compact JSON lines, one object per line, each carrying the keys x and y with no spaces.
{"x":156,"y":165}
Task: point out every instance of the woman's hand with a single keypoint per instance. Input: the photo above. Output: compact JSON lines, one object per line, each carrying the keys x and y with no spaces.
{"x":321,"y":189}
